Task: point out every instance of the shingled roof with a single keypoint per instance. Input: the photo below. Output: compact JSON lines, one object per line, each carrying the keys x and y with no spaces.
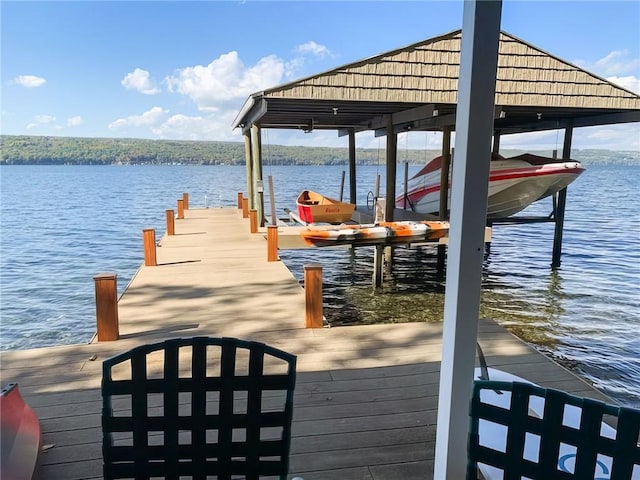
{"x":418,"y":85}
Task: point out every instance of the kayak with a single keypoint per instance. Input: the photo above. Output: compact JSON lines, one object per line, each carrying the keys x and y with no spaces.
{"x":382,"y":233}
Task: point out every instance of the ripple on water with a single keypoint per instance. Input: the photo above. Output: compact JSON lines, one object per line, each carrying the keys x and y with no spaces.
{"x":584,"y":315}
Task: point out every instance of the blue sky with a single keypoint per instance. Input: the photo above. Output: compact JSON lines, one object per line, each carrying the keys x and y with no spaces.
{"x":183,"y":70}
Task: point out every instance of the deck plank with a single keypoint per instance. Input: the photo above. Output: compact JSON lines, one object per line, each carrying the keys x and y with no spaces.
{"x":366,"y":396}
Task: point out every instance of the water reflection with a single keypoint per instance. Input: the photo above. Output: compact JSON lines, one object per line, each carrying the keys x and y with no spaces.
{"x":413,"y":290}
{"x":531,"y":302}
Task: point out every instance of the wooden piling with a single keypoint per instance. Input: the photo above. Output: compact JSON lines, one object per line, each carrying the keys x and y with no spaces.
{"x":180,"y":208}
{"x":313,"y":296}
{"x":149,"y":238}
{"x":245,"y":207}
{"x":253,"y":220}
{"x":171,"y":224}
{"x":378,"y":263}
{"x":106,"y":306}
{"x":185,"y":200}
{"x":239,"y":200}
{"x":272,"y":243}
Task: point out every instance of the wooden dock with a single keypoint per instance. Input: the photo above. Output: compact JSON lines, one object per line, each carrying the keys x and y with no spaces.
{"x":366,"y":396}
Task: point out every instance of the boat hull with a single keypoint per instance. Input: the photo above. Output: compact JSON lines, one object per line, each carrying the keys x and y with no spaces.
{"x":514,"y":184}
{"x":383,"y":233}
{"x":20,"y":436}
{"x":316,"y":208}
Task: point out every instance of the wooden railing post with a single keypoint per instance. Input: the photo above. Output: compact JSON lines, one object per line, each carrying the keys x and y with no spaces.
{"x":253,"y":220}
{"x":313,"y":296}
{"x":171,"y":224}
{"x":181,"y":208}
{"x":185,"y":201}
{"x":245,"y":207}
{"x":239,"y":200}
{"x":107,"y":306}
{"x":149,"y":238}
{"x":272,"y":243}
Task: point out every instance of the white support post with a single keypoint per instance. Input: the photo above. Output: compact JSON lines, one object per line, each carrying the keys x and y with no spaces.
{"x":474,"y":127}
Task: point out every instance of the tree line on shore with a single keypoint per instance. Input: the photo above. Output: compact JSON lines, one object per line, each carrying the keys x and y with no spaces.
{"x":41,"y":150}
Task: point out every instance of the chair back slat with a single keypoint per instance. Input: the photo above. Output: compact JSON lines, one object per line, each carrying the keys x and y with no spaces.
{"x":206,"y":416}
{"x":569,"y":434}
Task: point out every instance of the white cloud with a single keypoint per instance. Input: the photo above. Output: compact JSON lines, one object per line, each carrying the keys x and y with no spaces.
{"x":185,"y":127}
{"x":629,"y":82}
{"x":149,"y":118}
{"x":45,"y":119}
{"x":610,"y":137}
{"x":29,"y":81}
{"x":226,"y":81}
{"x":614,"y":64}
{"x":545,"y":140}
{"x":313,"y":48}
{"x":40,"y":120}
{"x":74,"y":121}
{"x":140,"y":81}
{"x":221,"y":87}
{"x":304,"y":51}
{"x":617,"y":63}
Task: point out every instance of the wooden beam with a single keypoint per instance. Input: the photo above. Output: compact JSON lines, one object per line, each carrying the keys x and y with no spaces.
{"x":254,"y":114}
{"x":352,"y":167}
{"x":444,"y":173}
{"x":392,"y":158}
{"x":400,"y":119}
{"x":605,"y":119}
{"x":444,"y":191}
{"x":510,"y":126}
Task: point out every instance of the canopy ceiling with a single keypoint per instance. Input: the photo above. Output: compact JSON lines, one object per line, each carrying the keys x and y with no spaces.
{"x":416,"y":87}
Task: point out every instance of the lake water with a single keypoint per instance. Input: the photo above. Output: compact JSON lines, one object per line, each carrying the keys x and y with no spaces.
{"x":61,"y":225}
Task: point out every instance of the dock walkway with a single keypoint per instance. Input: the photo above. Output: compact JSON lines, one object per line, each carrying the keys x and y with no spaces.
{"x":366,"y":396}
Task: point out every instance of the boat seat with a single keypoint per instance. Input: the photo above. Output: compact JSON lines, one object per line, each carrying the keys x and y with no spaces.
{"x":546,"y":433}
{"x":198,"y":407}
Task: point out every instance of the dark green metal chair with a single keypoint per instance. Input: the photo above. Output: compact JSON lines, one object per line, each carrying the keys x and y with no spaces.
{"x":566,"y":449}
{"x":198,"y":408}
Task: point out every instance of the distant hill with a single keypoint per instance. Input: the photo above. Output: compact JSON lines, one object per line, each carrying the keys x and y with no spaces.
{"x":36,"y":150}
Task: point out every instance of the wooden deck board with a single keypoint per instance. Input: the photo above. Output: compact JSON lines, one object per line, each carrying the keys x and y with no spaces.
{"x":366,"y":396}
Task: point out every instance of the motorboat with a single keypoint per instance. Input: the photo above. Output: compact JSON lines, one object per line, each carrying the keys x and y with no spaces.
{"x":382,"y":233}
{"x":514,"y":184}
{"x":314,"y":207}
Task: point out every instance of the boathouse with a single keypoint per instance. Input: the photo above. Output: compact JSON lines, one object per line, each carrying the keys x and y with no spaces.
{"x":415,"y":88}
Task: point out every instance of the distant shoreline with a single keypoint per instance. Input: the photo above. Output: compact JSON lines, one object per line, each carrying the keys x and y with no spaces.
{"x":40,"y":150}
